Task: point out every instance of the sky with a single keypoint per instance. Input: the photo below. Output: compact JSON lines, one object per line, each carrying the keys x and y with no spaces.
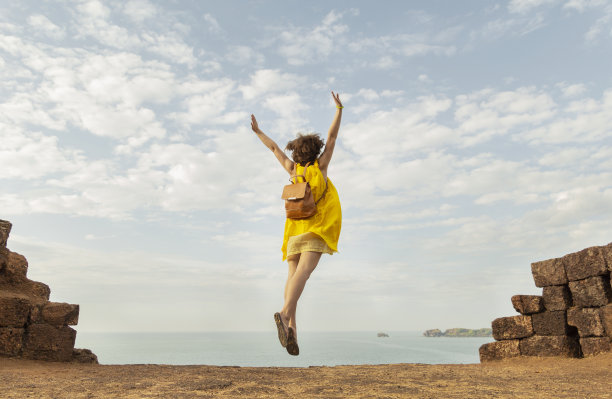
{"x":476,"y":138}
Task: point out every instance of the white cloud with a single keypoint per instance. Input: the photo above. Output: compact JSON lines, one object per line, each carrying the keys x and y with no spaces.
{"x":509,"y":26}
{"x":303,"y":46}
{"x":93,"y":22}
{"x":572,"y":90}
{"x":45,"y":26}
{"x":28,"y":155}
{"x":406,"y":45}
{"x":586,"y":120}
{"x":209,"y":105}
{"x":244,"y":55}
{"x":265,"y":81}
{"x":484,"y":114}
{"x":213,"y":24}
{"x":140,"y":10}
{"x":582,"y":5}
{"x":171,"y":47}
{"x":523,"y":6}
{"x":399,"y":130}
{"x":602,"y":25}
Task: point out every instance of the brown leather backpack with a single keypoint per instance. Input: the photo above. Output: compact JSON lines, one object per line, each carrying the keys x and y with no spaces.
{"x":299,"y":201}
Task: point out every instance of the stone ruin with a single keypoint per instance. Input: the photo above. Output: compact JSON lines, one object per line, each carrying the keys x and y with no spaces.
{"x":31,"y":327}
{"x":572,"y":317}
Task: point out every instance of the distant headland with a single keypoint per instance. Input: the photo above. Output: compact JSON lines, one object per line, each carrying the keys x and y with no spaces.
{"x":459,"y":332}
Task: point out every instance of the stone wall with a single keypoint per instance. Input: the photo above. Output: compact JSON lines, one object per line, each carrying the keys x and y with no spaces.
{"x":31,"y":327}
{"x":572,"y":317}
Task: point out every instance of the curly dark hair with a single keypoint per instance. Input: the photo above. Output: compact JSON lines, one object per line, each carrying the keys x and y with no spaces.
{"x":305,"y":148}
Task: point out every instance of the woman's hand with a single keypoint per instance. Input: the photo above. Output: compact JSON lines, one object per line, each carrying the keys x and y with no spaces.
{"x":336,"y":98}
{"x":254,"y":125}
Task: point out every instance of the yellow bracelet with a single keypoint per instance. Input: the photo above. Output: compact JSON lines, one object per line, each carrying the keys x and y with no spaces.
{"x":339,"y":107}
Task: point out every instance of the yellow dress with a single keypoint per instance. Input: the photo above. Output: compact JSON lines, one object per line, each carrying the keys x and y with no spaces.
{"x":324,"y":226}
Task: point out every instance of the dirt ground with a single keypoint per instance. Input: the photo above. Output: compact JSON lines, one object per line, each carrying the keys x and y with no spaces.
{"x":516,"y":378}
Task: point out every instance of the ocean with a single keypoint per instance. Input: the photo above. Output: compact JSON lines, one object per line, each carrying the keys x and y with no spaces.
{"x":262,"y":349}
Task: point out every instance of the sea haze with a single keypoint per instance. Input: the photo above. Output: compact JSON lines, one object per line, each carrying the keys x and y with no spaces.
{"x":261,"y":349}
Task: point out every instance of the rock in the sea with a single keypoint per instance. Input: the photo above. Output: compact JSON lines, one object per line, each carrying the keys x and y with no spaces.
{"x":550,"y":323}
{"x":549,"y":272}
{"x":382,"y":335}
{"x":587,"y":321}
{"x":527,"y":304}
{"x":586,"y":263}
{"x":433,"y":333}
{"x":512,"y":327}
{"x":553,"y":345}
{"x":557,"y":297}
{"x":499,"y":350}
{"x":591,"y":292}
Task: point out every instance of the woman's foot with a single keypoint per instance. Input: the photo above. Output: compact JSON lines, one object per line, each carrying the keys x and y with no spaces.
{"x":292,"y":345}
{"x":281,"y":327}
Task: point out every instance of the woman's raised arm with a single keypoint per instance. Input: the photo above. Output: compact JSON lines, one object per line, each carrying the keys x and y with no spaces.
{"x":268,"y":142}
{"x":326,"y":156}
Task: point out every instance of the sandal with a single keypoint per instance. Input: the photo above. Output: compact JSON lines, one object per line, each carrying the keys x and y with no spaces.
{"x":292,"y":345}
{"x":282,"y":332}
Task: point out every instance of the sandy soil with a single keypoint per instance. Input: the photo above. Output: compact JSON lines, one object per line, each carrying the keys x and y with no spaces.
{"x":516,"y":378}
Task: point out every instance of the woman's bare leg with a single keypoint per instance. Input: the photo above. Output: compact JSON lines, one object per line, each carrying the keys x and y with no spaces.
{"x":293,"y":263}
{"x":306,"y":264}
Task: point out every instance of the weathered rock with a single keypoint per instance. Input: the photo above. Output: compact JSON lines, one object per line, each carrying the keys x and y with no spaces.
{"x":605,"y":313}
{"x":14,"y":312}
{"x":5,"y":230}
{"x":550,"y":323}
{"x":11,"y":341}
{"x":38,"y":291}
{"x":35,"y":291}
{"x":17,"y":266}
{"x":36,"y":314}
{"x":583,"y":264}
{"x":46,"y":342}
{"x":527,"y":304}
{"x":552,"y":345}
{"x":549,"y":272}
{"x":31,"y":326}
{"x":499,"y":350}
{"x":587,"y":321}
{"x":606,"y":252}
{"x":60,"y":314}
{"x":592,"y":346}
{"x":591,"y":292}
{"x":556,"y":297}
{"x":512,"y":327}
{"x":84,"y":356}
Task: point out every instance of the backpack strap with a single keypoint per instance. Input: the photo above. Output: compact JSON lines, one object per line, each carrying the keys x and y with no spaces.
{"x":304,"y":177}
{"x":291,"y":179}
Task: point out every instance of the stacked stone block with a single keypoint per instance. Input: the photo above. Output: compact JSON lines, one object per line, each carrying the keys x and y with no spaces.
{"x":572,"y":317}
{"x":31,"y":326}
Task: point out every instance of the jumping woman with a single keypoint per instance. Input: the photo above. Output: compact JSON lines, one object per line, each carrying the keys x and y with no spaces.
{"x":305,"y":240}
